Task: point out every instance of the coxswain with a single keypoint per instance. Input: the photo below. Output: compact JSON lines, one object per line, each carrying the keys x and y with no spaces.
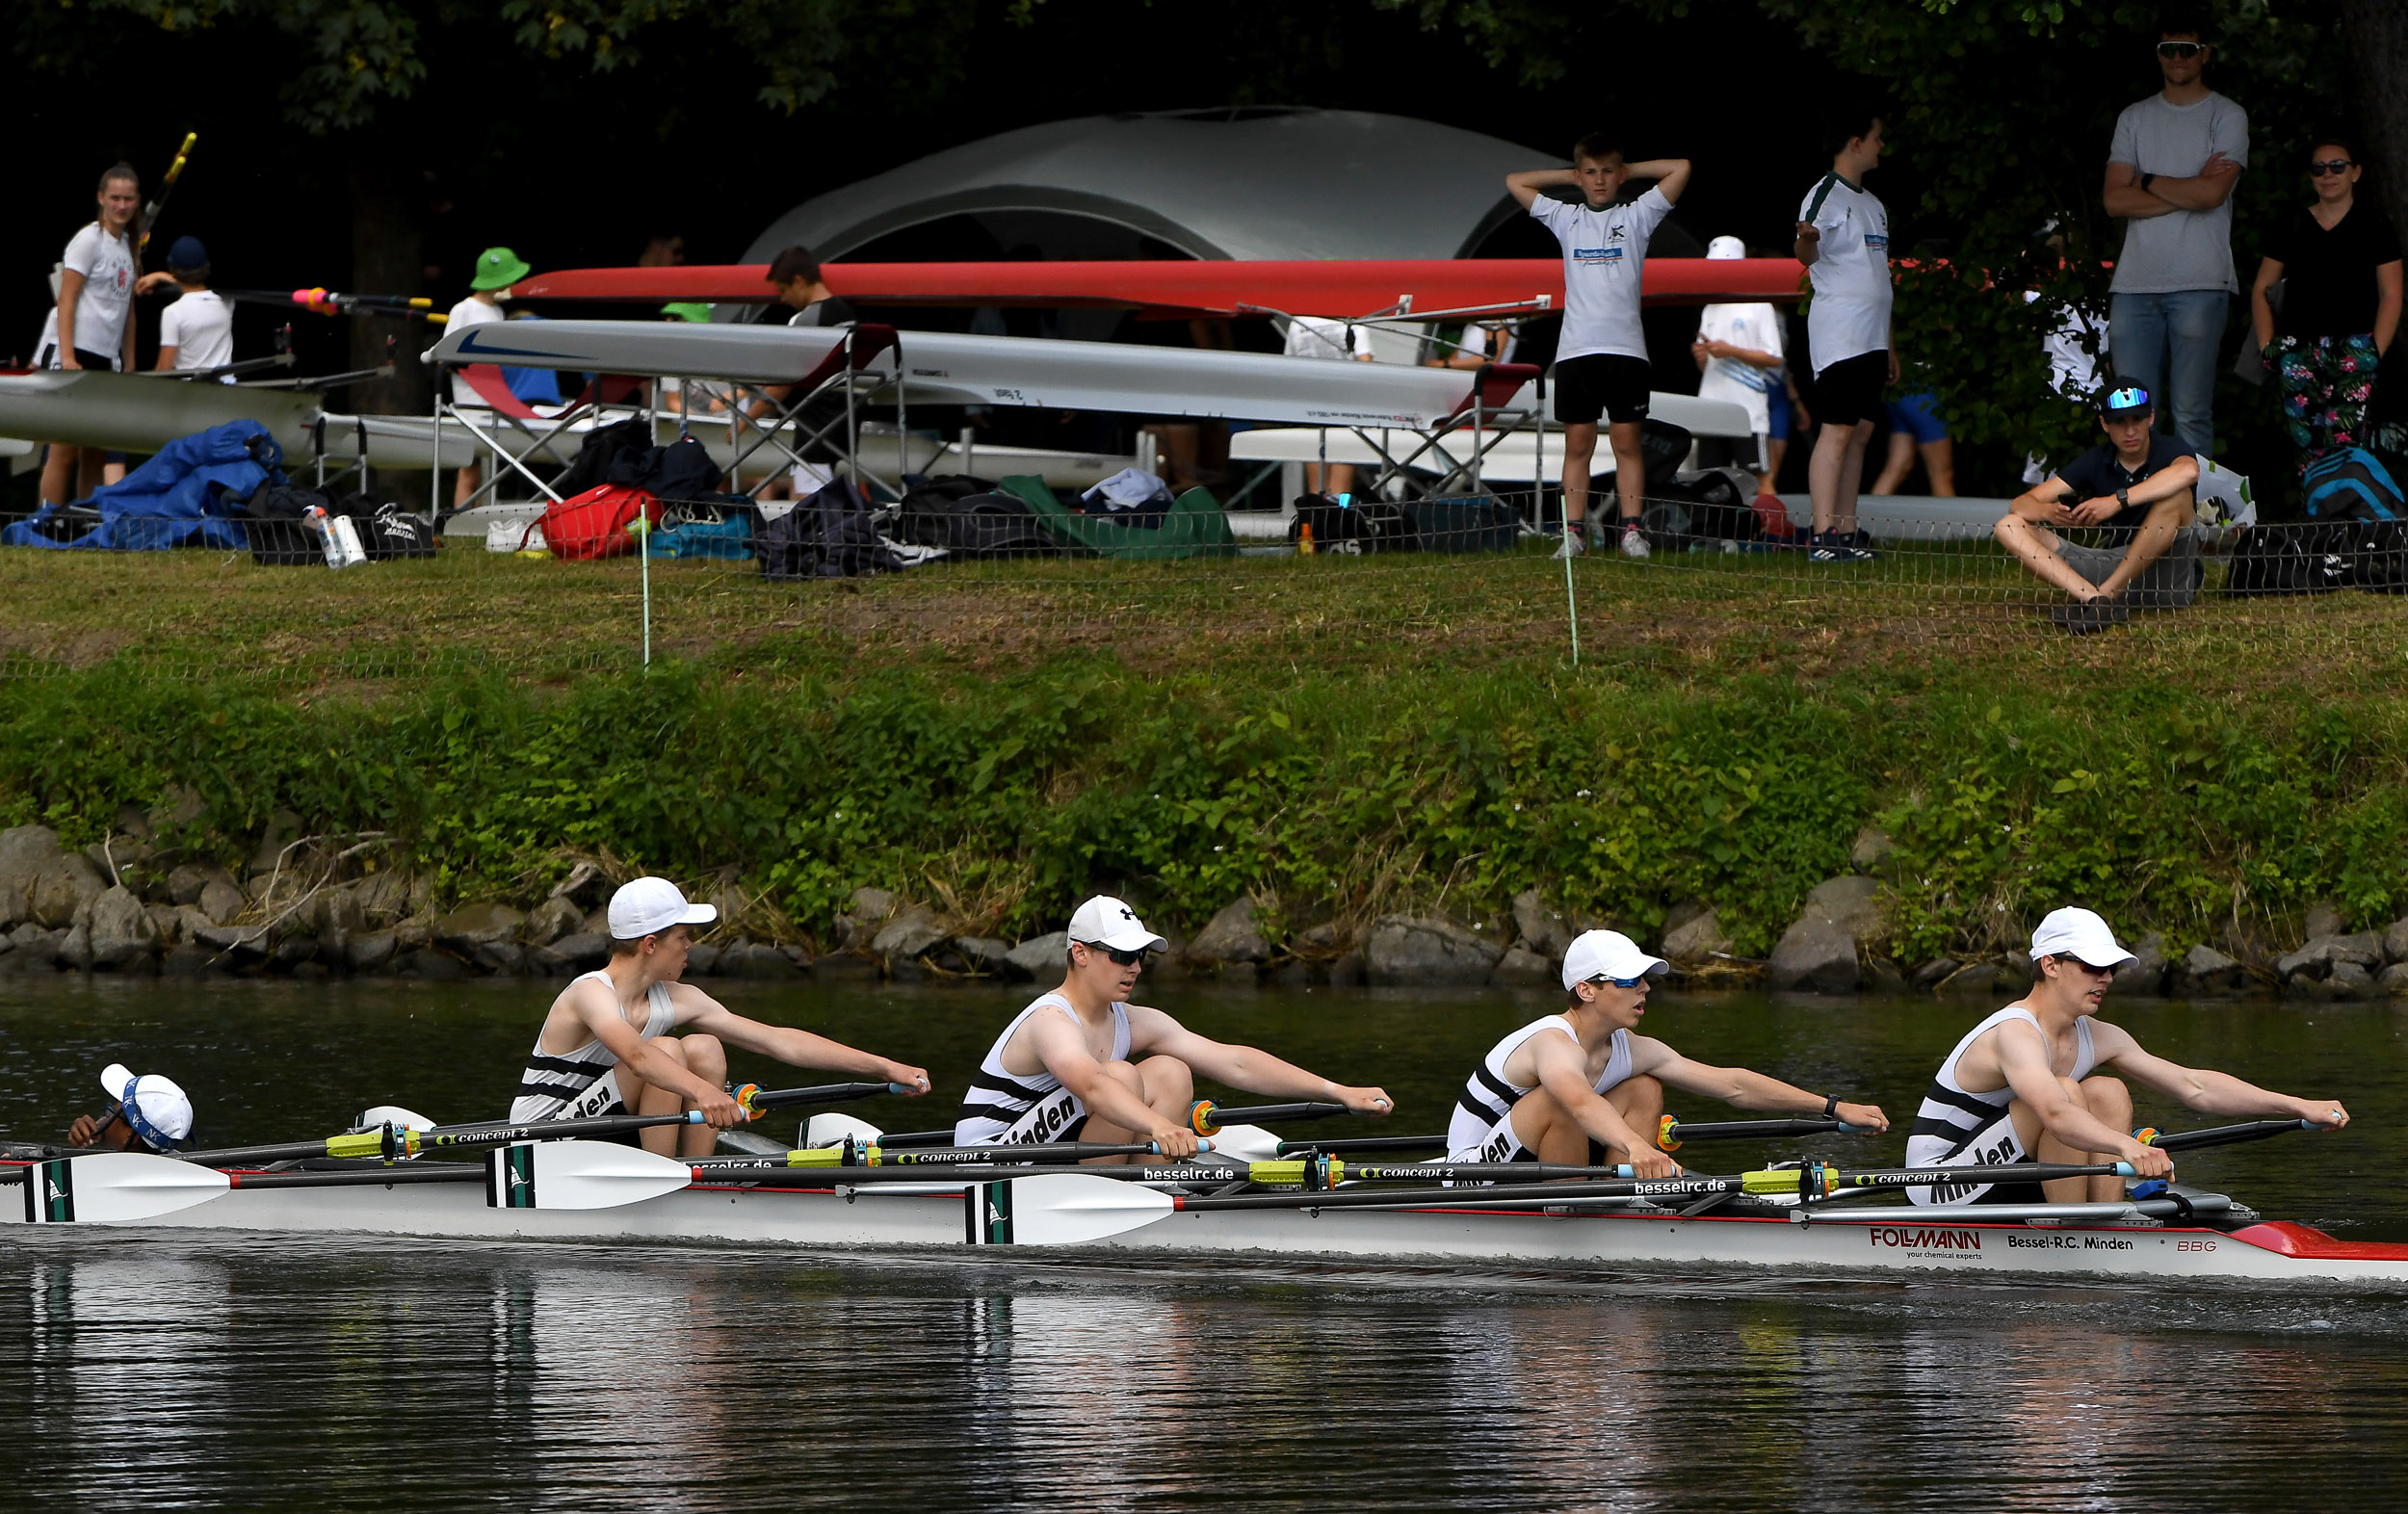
{"x":629,"y":1038}
{"x":150,"y":1113}
{"x":1080,"y":1064}
{"x":2031,"y":1084}
{"x":1581,"y":1087}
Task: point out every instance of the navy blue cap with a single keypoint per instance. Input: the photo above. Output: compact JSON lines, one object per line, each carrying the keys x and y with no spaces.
{"x":188,"y":252}
{"x":2124,"y":397}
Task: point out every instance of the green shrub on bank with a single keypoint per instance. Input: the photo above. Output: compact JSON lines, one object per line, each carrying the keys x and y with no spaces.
{"x":1330,"y":796}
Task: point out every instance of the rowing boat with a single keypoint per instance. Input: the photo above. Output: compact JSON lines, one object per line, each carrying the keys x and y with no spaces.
{"x":2183,"y":1237}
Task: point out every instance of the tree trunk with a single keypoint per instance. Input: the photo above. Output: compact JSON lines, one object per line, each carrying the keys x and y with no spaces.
{"x":387,"y":258}
{"x":2378,"y":35}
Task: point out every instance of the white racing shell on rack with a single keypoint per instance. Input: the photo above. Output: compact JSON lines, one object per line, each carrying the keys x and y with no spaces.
{"x":946,"y":368}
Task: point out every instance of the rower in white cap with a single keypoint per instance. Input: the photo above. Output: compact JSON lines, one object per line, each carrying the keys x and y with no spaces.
{"x":2029,"y":1083}
{"x":607,"y":1047}
{"x":150,"y":1113}
{"x":1067,"y":1068}
{"x":1579,"y":1087}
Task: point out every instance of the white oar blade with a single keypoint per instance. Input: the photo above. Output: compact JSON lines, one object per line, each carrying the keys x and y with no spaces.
{"x":116,"y":1188}
{"x":1058,"y":1208}
{"x":1246,"y":1143}
{"x":578,"y":1174}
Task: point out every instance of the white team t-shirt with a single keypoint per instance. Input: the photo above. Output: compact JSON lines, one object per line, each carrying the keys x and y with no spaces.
{"x":1757,"y":327}
{"x":2182,"y":248}
{"x":470,"y":311}
{"x":200,"y":327}
{"x":1320,"y":337}
{"x":1603,"y":254}
{"x":1850,"y":315}
{"x":107,"y":264}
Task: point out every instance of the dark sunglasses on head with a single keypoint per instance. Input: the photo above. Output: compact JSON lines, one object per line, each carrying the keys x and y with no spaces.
{"x":2181,"y":49}
{"x":2331,"y":166}
{"x":1123,"y":958}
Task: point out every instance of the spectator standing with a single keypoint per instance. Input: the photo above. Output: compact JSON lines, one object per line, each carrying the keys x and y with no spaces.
{"x":497,"y":268}
{"x":94,"y":328}
{"x":1844,"y":239}
{"x":1916,"y":428}
{"x":2340,"y":266}
{"x":1601,"y":369}
{"x":1331,"y":341}
{"x":2170,"y":175}
{"x":1738,"y":361}
{"x":197,"y":332}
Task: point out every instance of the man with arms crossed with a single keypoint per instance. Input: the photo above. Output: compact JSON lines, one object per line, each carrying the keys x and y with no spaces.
{"x":2170,"y":175}
{"x":1844,"y":239}
{"x":606,"y":1047}
{"x":2138,"y":488}
{"x":1581,"y":1087}
{"x":1068,"y":1067}
{"x":1601,"y":362}
{"x":2028,"y":1084}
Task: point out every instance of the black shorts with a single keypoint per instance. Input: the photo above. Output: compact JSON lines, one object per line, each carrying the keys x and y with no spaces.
{"x":1601,"y":383}
{"x":1850,"y":390}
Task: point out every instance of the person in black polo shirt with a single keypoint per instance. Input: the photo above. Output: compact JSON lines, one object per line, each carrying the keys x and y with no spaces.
{"x":2136,"y":491}
{"x":2339,"y":263}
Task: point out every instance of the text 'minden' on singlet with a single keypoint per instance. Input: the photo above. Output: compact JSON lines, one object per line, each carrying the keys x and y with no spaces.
{"x":1951,"y":1117}
{"x":1004,"y":1108}
{"x":1488,"y":1095}
{"x":559,"y":1088}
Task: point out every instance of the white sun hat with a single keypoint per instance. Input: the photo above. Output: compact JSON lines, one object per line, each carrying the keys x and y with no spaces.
{"x":1608,"y":953}
{"x":2078,"y":933}
{"x":1724,"y":249}
{"x":154,"y":1106}
{"x":1105,"y":920}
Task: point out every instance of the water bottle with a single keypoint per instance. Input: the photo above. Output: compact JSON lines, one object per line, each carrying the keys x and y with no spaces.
{"x":338,"y":539}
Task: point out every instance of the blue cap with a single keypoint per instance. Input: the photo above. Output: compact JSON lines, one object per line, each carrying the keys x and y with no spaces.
{"x":188,"y":252}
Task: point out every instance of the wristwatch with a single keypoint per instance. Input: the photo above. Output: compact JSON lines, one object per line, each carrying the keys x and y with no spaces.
{"x":2147,"y":179}
{"x":1830,"y":1105}
{"x":2123,"y":499}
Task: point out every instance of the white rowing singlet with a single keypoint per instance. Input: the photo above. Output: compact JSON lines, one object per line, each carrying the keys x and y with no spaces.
{"x":1488,"y":1096}
{"x":1951,"y":1117}
{"x":1004,"y":1108}
{"x":581,"y":1083}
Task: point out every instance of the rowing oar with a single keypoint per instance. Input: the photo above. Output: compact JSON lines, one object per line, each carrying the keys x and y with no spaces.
{"x":853,"y":1153}
{"x":121,"y":1187}
{"x":388,"y":1143}
{"x":167,"y":187}
{"x":1071,"y":1208}
{"x":1671,"y":1133}
{"x":1204,"y":1115}
{"x":2221,"y":1135}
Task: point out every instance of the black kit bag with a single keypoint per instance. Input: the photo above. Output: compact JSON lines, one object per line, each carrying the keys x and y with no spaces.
{"x":994,"y":524}
{"x":2286,"y":560}
{"x":601,"y":446}
{"x":271,"y":525}
{"x":1356,"y":527}
{"x":387,"y":530}
{"x":832,"y":535}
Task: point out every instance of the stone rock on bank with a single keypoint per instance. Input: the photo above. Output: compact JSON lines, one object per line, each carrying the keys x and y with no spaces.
{"x":1822,"y":949}
{"x":1428,"y":949}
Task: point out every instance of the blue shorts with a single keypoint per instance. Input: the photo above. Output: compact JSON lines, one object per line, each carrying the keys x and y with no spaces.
{"x":1777,"y":411}
{"x":1913,"y":415}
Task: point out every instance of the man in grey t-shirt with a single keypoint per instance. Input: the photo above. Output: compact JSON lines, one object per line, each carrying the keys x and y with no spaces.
{"x":2170,"y":175}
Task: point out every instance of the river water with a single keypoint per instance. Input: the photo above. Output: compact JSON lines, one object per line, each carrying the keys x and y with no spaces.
{"x":254,"y":1372}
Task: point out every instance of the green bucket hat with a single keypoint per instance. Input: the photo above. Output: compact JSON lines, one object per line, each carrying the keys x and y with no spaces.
{"x":687,"y":310}
{"x":497,"y":268}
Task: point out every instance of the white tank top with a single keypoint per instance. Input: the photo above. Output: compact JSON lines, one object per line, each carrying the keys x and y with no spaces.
{"x":551,"y":1084}
{"x":1006,"y":1107}
{"x":1489,"y":1096}
{"x":1951,"y":1115}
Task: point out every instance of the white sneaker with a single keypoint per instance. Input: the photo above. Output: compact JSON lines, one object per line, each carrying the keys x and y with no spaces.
{"x":1575,"y":542}
{"x":1633,"y":545}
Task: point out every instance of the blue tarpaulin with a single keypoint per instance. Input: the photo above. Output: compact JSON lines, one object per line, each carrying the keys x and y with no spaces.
{"x":190,"y":494}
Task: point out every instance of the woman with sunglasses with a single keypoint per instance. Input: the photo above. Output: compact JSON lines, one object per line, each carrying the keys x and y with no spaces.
{"x":1580,"y":1086}
{"x":2034,"y":1082}
{"x":2339,"y":263}
{"x":1083,"y":1063}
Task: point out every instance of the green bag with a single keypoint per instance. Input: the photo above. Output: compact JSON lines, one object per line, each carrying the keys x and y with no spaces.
{"x":1196,"y":526}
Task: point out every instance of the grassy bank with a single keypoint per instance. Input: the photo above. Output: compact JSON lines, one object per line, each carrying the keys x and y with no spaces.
{"x":1003,"y":787}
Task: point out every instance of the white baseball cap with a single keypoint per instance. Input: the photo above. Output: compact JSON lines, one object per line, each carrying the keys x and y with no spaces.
{"x":1723,"y":249}
{"x":155,"y":1107}
{"x":1105,"y":920}
{"x":1608,"y":953}
{"x":648,"y":906}
{"x":2078,"y":933}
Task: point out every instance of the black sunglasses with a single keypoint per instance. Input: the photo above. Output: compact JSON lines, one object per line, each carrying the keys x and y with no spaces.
{"x":2181,"y":49}
{"x":2331,"y":166}
{"x":1122,"y":958}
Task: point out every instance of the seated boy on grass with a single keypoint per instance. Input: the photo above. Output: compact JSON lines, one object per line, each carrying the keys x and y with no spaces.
{"x":2137,"y":489}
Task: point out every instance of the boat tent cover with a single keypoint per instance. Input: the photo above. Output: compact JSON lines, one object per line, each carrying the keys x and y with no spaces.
{"x":188,"y":493}
{"x":947,"y":368}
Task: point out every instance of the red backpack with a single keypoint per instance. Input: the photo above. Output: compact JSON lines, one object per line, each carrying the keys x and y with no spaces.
{"x":595,"y":524}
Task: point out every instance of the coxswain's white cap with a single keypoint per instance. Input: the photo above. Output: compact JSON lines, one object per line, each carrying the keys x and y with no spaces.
{"x":155,"y":1107}
{"x":648,"y":906}
{"x":1722,"y":249}
{"x":1608,"y":953}
{"x":2078,"y":933}
{"x":1105,"y":920}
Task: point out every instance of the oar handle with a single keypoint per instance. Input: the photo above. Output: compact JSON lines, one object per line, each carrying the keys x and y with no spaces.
{"x":1673,"y":1132}
{"x":2220,"y":1134}
{"x":1207,"y":1118}
{"x":754,"y":1098}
